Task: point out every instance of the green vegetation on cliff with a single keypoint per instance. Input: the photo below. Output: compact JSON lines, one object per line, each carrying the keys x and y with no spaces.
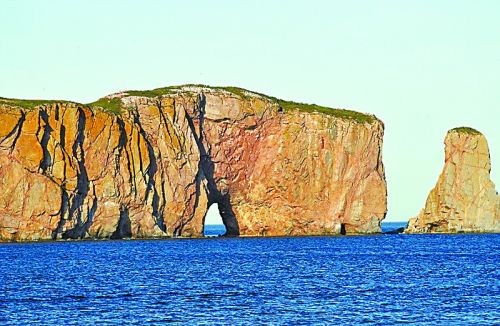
{"x":112,"y":105}
{"x":152,"y":93}
{"x":29,"y":104}
{"x":340,"y":113}
{"x":115,"y":105}
{"x":466,"y":130}
{"x":290,"y":105}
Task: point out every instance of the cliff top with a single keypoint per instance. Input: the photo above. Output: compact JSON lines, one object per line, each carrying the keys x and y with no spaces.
{"x":465,"y":130}
{"x":113,"y":104}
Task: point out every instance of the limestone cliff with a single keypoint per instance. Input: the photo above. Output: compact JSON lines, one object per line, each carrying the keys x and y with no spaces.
{"x":464,"y":198}
{"x":149,"y":164}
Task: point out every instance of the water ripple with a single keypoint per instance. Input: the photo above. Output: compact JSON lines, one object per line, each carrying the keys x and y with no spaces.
{"x":428,"y":279}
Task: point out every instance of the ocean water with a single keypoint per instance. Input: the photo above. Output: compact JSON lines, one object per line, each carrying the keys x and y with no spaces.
{"x":380,"y":279}
{"x":214,"y":230}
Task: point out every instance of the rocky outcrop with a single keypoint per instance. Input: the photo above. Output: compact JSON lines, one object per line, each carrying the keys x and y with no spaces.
{"x":464,"y":198}
{"x":147,"y":164}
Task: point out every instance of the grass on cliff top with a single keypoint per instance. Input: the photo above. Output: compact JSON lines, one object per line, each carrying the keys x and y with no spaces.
{"x":152,"y":93}
{"x":289,"y":106}
{"x":111,"y":105}
{"x":171,"y":90}
{"x":29,"y":104}
{"x":466,"y":130}
{"x":340,"y":113}
{"x":115,"y":106}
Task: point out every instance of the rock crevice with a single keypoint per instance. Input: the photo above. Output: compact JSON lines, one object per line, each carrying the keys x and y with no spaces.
{"x":153,"y":169}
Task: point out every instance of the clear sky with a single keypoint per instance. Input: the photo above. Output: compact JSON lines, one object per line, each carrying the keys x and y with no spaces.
{"x":423,"y":67}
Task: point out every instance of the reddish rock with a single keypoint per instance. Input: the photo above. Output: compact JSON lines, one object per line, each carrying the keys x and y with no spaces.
{"x":152,"y":170}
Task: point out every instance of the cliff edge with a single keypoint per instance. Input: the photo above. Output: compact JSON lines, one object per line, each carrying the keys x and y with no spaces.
{"x":144,"y":164}
{"x":464,"y":198}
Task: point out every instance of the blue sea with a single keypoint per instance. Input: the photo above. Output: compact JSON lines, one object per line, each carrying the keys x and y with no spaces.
{"x":379,"y":279}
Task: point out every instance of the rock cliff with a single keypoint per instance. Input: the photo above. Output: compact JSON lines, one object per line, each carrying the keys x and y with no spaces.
{"x":464,"y":198}
{"x":146,"y":164}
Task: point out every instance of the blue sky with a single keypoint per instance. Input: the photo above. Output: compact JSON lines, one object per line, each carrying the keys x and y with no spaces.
{"x":423,"y":67}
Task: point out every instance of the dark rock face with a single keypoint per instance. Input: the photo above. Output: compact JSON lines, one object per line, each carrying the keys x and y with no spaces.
{"x":395,"y":231}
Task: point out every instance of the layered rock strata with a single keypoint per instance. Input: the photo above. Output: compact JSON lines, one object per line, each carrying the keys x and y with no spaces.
{"x":146,"y":164}
{"x":464,"y":198}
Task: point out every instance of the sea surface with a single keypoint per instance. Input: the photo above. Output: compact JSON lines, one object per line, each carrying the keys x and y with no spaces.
{"x":379,"y":279}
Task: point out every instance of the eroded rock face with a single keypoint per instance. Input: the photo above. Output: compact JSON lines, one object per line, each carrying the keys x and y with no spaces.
{"x":74,"y":171}
{"x":464,"y":198}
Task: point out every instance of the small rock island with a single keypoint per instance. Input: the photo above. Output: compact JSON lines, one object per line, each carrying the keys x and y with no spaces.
{"x":147,"y":164}
{"x":464,"y":198}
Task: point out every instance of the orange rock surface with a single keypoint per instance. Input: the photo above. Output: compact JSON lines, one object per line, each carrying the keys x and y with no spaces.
{"x":464,"y":198}
{"x":152,"y":170}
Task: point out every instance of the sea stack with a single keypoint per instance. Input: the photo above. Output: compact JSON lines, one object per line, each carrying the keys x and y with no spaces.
{"x":144,"y":164}
{"x":464,"y":198}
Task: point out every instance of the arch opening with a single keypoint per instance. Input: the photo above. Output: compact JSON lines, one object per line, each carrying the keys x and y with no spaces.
{"x":213,"y":225}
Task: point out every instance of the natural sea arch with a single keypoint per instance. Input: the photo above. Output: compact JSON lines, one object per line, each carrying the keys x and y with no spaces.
{"x":213,"y":224}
